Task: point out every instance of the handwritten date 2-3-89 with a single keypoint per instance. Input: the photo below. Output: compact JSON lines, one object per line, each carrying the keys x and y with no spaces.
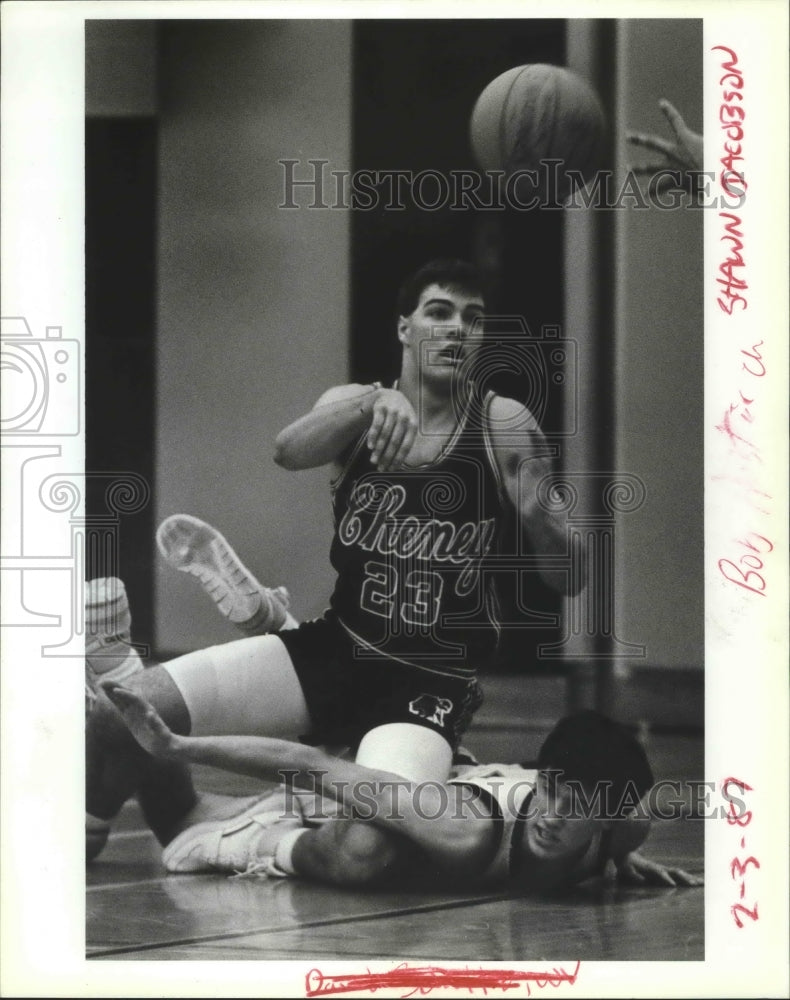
{"x":740,"y":867}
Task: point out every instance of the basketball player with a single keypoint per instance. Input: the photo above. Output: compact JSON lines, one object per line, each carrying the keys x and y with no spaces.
{"x":422,"y":472}
{"x":533,"y":829}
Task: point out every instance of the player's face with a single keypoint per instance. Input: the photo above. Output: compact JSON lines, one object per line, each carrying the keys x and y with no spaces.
{"x":437,"y":332}
{"x":556,"y":826}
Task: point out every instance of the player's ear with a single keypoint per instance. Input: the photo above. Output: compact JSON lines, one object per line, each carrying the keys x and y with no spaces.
{"x":404,"y":328}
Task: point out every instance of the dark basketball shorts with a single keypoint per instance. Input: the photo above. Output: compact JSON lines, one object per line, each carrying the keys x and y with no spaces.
{"x":348,"y":695}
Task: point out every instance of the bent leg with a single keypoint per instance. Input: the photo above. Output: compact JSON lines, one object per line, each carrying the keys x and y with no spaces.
{"x":355,"y":852}
{"x":352,"y":852}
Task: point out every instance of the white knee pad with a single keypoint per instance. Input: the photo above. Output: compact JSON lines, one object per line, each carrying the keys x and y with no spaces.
{"x":244,"y":688}
{"x":414,"y":752}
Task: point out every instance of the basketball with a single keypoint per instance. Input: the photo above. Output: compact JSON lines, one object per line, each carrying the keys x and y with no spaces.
{"x":534,"y":113}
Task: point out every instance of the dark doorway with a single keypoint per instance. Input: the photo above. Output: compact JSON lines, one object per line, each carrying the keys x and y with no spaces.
{"x":120,"y":275}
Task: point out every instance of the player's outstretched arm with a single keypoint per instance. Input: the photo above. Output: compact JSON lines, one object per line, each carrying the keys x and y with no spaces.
{"x":523,"y":457}
{"x":444,"y":823}
{"x":255,"y":756}
{"x":339,"y":416}
{"x":338,"y":419}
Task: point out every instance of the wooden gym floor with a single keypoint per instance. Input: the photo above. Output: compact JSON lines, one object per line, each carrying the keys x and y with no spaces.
{"x":135,"y":911}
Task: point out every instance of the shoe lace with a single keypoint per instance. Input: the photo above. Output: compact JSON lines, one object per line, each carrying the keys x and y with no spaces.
{"x":260,"y":868}
{"x":254,"y":869}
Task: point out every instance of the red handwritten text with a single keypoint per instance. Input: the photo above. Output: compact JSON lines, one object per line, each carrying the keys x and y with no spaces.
{"x":739,"y":816}
{"x":732,"y":182}
{"x":739,"y":425}
{"x":746,"y":572}
{"x":733,"y":419}
{"x":424,"y":979}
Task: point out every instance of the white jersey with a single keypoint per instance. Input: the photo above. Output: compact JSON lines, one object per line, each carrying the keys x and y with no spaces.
{"x":509,"y":789}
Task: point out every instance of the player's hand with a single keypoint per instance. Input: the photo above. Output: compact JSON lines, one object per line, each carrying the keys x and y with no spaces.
{"x":392,"y":429}
{"x":143,"y":720}
{"x":635,"y":869}
{"x":682,"y":155}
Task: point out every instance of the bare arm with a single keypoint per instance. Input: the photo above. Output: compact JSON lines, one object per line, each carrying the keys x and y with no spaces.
{"x":338,"y":419}
{"x":523,"y":459}
{"x":440,"y":819}
{"x":339,"y":416}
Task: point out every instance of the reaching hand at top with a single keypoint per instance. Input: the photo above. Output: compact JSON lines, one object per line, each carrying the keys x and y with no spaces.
{"x":682,"y":155}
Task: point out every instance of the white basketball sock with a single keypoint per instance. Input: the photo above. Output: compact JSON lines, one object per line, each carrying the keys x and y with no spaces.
{"x":109,"y":653}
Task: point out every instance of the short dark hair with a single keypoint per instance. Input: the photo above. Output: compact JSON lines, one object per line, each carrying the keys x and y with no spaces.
{"x":457,"y":275}
{"x":590,"y":748}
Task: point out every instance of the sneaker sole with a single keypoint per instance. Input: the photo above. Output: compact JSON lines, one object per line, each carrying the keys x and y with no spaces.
{"x":205,"y":553}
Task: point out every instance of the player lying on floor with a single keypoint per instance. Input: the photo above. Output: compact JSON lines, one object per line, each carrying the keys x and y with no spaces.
{"x":534,"y":829}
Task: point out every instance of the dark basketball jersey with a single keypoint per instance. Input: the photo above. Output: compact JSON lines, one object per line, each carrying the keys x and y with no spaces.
{"x":410,"y":547}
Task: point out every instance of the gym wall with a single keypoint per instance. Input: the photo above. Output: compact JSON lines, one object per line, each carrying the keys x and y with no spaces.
{"x":252,"y":299}
{"x":659,"y":363}
{"x":244,"y":315}
{"x":634,"y":285}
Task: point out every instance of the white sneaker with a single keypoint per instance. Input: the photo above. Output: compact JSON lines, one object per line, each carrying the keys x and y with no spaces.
{"x":243,"y":844}
{"x":192,"y":546}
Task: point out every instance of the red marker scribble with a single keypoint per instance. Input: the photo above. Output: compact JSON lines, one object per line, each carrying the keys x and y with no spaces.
{"x":426,"y":978}
{"x":730,"y":428}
